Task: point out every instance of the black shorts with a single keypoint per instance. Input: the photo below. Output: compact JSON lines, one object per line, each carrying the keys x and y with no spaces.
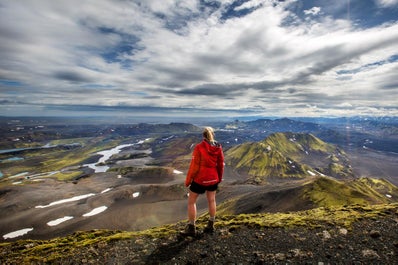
{"x":200,"y":189}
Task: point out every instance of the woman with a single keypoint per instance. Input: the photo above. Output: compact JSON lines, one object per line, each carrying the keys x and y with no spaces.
{"x":204,"y":174}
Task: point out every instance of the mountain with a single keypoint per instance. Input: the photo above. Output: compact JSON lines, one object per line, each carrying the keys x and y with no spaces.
{"x":287,"y":155}
{"x":376,"y":133}
{"x":313,"y":193}
{"x":277,"y":125}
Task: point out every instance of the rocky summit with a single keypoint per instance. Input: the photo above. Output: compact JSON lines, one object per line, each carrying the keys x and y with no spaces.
{"x":335,"y":235}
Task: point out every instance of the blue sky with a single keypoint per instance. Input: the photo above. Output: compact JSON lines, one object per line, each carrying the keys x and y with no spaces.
{"x":199,"y":58}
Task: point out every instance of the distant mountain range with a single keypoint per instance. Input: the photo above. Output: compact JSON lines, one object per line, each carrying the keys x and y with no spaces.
{"x":377,"y":133}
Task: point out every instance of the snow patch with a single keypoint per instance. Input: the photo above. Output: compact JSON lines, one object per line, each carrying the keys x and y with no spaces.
{"x":17,"y":233}
{"x":106,"y":190}
{"x":59,"y":220}
{"x":143,"y":141}
{"x":18,"y":175}
{"x":323,"y":175}
{"x":76,"y":198}
{"x":175,"y":171}
{"x":311,"y":173}
{"x":37,"y":180}
{"x":95,"y":211}
{"x":136,"y":194}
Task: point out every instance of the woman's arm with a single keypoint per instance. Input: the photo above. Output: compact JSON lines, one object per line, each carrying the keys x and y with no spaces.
{"x":193,"y":167}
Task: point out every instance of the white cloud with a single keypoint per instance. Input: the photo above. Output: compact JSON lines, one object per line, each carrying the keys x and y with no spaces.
{"x":387,"y":3}
{"x":179,"y":54}
{"x":250,"y":4}
{"x":313,"y":11}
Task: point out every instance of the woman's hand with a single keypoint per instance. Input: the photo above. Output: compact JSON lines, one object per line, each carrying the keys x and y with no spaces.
{"x":187,"y":183}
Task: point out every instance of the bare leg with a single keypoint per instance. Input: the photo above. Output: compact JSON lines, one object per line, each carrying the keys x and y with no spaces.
{"x":192,"y":206}
{"x":211,"y":200}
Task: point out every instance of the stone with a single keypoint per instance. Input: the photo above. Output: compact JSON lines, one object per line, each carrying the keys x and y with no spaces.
{"x":369,"y":253}
{"x":375,"y":234}
{"x":343,"y":231}
{"x":326,"y":235}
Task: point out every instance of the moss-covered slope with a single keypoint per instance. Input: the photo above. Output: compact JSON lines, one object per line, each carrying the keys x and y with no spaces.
{"x":316,"y":192}
{"x":288,"y":155}
{"x":104,"y":247}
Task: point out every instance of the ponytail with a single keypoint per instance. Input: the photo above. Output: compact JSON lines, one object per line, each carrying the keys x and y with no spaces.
{"x":208,"y":134}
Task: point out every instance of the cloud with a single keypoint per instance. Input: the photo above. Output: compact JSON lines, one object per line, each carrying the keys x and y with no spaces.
{"x":199,"y":54}
{"x":387,"y":3}
{"x":71,"y":76}
{"x":313,"y":11}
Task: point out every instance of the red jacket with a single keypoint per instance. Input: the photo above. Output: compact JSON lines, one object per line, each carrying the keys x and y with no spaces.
{"x":207,"y":164}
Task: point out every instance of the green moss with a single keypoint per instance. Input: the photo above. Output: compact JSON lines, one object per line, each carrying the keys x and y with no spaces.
{"x":327,"y":192}
{"x":63,"y":176}
{"x":82,"y":141}
{"x":283,"y":155}
{"x":28,"y":251}
{"x":48,"y":160}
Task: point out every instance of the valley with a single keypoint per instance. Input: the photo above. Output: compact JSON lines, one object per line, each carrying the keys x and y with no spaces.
{"x":58,"y":177}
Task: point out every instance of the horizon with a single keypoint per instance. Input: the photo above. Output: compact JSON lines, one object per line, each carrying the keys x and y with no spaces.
{"x":198,"y":121}
{"x":199,"y":58}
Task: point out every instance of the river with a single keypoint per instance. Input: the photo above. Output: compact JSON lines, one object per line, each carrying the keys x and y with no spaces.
{"x":106,"y":154}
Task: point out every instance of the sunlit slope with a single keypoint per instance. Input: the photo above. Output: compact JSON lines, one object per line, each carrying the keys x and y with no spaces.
{"x":316,"y":192}
{"x":288,"y":155}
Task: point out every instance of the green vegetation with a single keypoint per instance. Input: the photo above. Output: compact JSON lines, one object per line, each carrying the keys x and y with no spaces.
{"x":48,"y":160}
{"x":31,"y":251}
{"x":148,"y":172}
{"x":314,"y":192}
{"x":260,"y":161}
{"x":81,"y":141}
{"x":337,"y":216}
{"x":287,"y":155}
{"x":67,"y":175}
{"x":328,"y":192}
{"x":293,"y":143}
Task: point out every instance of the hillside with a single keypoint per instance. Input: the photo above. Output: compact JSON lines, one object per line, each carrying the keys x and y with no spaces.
{"x":348,"y":234}
{"x":311,"y":193}
{"x":288,"y":155}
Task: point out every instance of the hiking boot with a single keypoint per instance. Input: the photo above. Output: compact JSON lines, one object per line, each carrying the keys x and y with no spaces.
{"x":190,"y":230}
{"x":210,"y":227}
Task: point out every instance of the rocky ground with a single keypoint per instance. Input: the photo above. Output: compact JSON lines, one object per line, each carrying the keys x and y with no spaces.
{"x":344,"y":236}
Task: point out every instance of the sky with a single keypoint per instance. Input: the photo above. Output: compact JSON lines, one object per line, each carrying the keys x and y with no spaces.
{"x":199,"y":58}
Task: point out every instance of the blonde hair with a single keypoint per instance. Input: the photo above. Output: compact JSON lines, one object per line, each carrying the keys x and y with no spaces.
{"x":208,"y":134}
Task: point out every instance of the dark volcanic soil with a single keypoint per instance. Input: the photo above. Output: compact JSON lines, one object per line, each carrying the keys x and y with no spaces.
{"x":368,"y":241}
